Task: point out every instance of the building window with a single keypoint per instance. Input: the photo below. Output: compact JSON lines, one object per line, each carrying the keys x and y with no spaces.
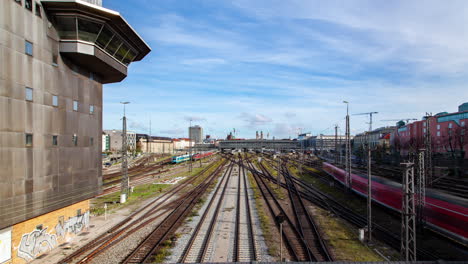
{"x":463,"y":123}
{"x":54,"y":140}
{"x":450,"y":125}
{"x":38,"y":10}
{"x":438,"y":133}
{"x":91,"y":109}
{"x":19,"y":2}
{"x":91,"y":76}
{"x":29,"y":94}
{"x":75,"y":105}
{"x":54,"y":100}
{"x":438,"y":127}
{"x":29,"y":140}
{"x":91,"y":141}
{"x":75,"y":140}
{"x":424,"y":130}
{"x":28,"y":48}
{"x":424,"y":124}
{"x":28,"y":4}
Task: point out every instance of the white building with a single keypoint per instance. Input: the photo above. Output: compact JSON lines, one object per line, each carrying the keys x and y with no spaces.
{"x":116,"y":140}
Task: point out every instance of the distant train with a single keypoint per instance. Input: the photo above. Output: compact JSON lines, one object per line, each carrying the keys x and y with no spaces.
{"x":444,"y":213}
{"x":186,"y":157}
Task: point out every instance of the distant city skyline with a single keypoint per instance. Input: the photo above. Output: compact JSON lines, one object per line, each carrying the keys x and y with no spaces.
{"x":281,"y":65}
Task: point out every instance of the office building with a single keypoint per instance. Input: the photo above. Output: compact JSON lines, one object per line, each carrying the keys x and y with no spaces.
{"x":55,"y":57}
{"x":196,"y":134}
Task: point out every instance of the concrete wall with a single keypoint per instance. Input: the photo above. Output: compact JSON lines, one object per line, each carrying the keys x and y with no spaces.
{"x":41,"y":178}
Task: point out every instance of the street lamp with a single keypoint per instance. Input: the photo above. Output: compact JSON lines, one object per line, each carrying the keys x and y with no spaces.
{"x":125,"y":181}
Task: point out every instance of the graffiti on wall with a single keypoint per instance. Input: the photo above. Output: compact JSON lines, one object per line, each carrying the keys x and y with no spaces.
{"x":35,"y":243}
{"x":73,"y":225}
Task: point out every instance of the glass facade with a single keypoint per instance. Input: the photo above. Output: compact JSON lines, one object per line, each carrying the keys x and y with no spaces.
{"x":78,"y":28}
{"x":454,"y":117}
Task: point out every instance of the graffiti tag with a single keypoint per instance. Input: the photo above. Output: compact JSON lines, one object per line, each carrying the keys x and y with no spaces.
{"x":36,"y":243}
{"x":73,"y":225}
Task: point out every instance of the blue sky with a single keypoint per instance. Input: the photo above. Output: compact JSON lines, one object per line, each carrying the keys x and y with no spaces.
{"x":278,"y":66}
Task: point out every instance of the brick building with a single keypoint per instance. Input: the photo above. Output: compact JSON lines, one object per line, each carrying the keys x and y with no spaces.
{"x":448,"y":133}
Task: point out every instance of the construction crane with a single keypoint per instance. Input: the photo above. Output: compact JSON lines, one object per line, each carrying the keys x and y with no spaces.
{"x":402,"y":119}
{"x":370,"y":118}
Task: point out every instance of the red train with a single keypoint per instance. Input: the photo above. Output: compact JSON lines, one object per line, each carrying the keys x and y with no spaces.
{"x":202,"y":155}
{"x":445,"y":213}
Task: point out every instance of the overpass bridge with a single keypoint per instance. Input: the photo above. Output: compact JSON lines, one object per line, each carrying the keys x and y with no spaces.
{"x":258,"y":144}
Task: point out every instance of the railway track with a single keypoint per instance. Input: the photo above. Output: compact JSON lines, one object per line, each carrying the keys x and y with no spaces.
{"x":198,"y":245}
{"x":327,"y":202}
{"x":148,"y":248}
{"x":202,"y":246}
{"x":306,"y":224}
{"x":245,"y":246}
{"x":294,"y":241}
{"x":136,"y":220}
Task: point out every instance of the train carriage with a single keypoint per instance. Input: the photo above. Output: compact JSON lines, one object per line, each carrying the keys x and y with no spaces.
{"x":444,"y":213}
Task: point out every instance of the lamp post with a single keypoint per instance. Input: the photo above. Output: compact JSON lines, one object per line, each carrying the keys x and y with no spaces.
{"x":125,"y":181}
{"x":190,"y":146}
{"x":348,"y":149}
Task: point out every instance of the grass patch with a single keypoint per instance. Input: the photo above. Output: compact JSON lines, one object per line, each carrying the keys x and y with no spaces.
{"x":140,"y":193}
{"x":342,"y":240}
{"x":165,"y":250}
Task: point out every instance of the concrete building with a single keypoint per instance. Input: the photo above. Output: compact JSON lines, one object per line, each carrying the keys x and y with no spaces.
{"x":325,"y":142}
{"x":105,"y":142}
{"x":156,"y":145}
{"x":377,"y":137}
{"x":55,"y":57}
{"x":182,"y":144}
{"x":196,"y":134}
{"x":116,"y":140}
{"x":258,"y":144}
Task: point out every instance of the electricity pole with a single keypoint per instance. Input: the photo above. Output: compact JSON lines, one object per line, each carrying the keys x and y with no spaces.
{"x":348,"y":149}
{"x":336,"y":144}
{"x":428,"y":147}
{"x":408,"y":221}
{"x":190,"y":146}
{"x":125,"y":181}
{"x":421,"y":190}
{"x":369,"y":195}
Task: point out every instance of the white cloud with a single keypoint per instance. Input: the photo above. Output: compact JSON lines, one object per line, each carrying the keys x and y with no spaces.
{"x":255,"y":120}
